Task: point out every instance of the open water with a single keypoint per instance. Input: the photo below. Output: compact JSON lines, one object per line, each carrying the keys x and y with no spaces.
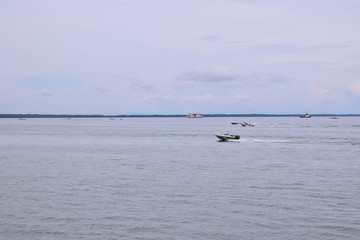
{"x":170,"y":178}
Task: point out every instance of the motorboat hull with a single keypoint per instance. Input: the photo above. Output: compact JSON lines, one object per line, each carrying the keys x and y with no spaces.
{"x":245,"y":124}
{"x":225,"y":137}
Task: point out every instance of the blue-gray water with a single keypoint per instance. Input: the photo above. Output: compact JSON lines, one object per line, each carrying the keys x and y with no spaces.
{"x":169,"y":178}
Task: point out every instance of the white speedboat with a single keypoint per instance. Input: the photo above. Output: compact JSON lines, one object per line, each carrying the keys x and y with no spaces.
{"x":245,"y":124}
{"x":227,"y":136}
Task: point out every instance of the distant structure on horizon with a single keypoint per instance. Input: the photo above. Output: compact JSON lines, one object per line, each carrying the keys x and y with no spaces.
{"x":194,"y":115}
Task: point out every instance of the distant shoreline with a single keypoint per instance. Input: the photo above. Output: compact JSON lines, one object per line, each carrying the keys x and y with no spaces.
{"x":162,"y":115}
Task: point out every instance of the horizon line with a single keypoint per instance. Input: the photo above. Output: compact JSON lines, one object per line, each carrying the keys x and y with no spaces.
{"x":42,"y":115}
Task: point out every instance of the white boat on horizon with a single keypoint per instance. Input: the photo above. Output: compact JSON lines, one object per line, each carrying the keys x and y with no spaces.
{"x":194,"y":115}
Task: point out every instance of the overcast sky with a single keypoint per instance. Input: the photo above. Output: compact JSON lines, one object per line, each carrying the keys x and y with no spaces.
{"x":179,"y":56}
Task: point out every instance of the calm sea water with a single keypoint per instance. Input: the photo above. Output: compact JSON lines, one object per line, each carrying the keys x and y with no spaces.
{"x":169,"y":178}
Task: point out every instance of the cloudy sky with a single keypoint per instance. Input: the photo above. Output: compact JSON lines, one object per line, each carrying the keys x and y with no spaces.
{"x":179,"y":56}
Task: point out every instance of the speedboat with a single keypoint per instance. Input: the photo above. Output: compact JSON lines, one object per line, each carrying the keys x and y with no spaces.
{"x":245,"y":124}
{"x":227,"y":136}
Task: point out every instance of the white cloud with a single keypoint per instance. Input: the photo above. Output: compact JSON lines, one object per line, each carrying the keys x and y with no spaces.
{"x":210,"y":73}
{"x":46,"y":92}
{"x":319,"y":92}
{"x":157,"y":98}
{"x":242,"y":97}
{"x":201,"y":98}
{"x":227,"y":76}
{"x":111,"y":101}
{"x":138,"y":85}
{"x":168,"y":98}
{"x":355,"y":88}
{"x":101,"y":89}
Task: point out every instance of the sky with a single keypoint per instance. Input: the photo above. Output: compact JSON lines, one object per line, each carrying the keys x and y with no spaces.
{"x":179,"y":56}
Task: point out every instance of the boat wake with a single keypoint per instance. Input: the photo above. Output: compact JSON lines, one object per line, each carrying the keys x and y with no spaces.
{"x":266,"y":140}
{"x":231,"y":140}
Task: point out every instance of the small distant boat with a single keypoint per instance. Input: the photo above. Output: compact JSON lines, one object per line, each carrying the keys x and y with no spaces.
{"x":334,"y":118}
{"x":227,"y":136}
{"x":245,"y":124}
{"x":194,"y":115}
{"x":234,"y":123}
{"x":305,"y":116}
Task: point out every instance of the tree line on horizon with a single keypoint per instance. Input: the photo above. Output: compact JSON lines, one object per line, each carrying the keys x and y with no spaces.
{"x":156,"y":115}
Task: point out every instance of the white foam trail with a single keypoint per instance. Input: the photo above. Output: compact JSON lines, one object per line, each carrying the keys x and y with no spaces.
{"x":266,"y":140}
